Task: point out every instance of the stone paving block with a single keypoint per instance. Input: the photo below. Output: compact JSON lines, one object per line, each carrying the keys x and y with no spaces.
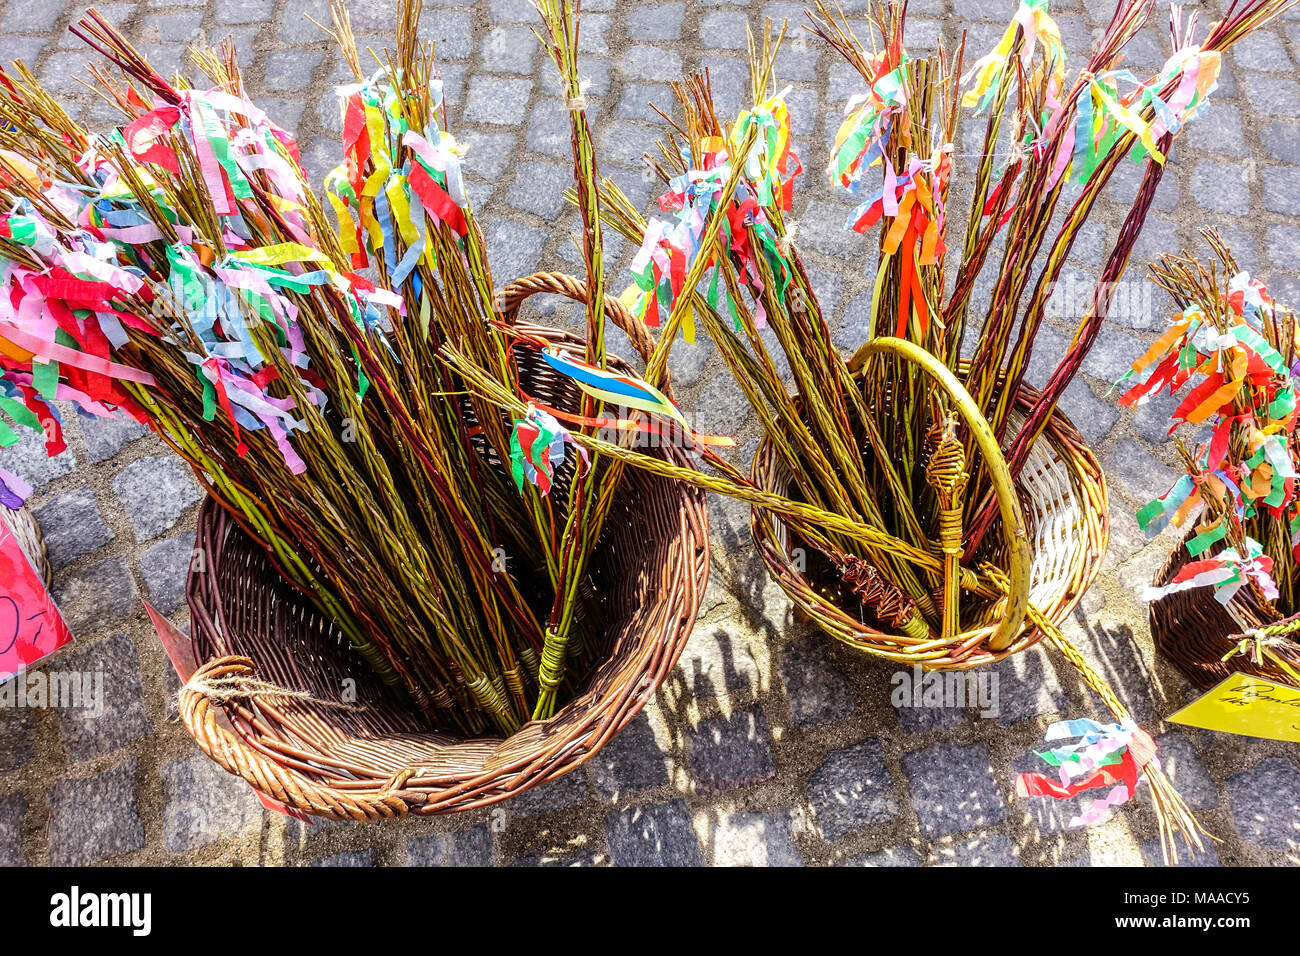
{"x":626,"y":142}
{"x":26,"y":49}
{"x":655,"y":22}
{"x":569,"y":856}
{"x":508,"y":50}
{"x":243,"y":11}
{"x":108,"y":692}
{"x":815,"y":691}
{"x":1026,"y":687}
{"x":754,"y":839}
{"x":1265,"y":803}
{"x":77,"y":836}
{"x":630,"y":763}
{"x":1181,"y":762}
{"x":204,"y":803}
{"x":659,"y":834}
{"x":539,"y":188}
{"x":514,"y":250}
{"x":17,"y":737}
{"x":952,"y":788}
{"x":1282,"y":140}
{"x":594,"y":35}
{"x":512,"y":11}
{"x":688,"y":362}
{"x":28,"y":460}
{"x":461,"y":848}
{"x":717,"y":663}
{"x":723,"y":30}
{"x":637,"y":97}
{"x":987,"y":849}
{"x":30,"y":16}
{"x":1153,"y":855}
{"x":165,"y":568}
{"x":1219,"y":187}
{"x":892,"y":856}
{"x":563,"y":793}
{"x":1137,"y":470}
{"x":12,"y":810}
{"x":289,"y":70}
{"x":1272,"y":95}
{"x":489,"y":152}
{"x":732,"y":751}
{"x":721,"y":408}
{"x":651,"y":63}
{"x":1281,"y":186}
{"x":72,"y":526}
{"x":172,"y":27}
{"x":852,"y":789}
{"x":347,"y":858}
{"x":1112,"y":649}
{"x":155,"y":492}
{"x":914,"y":718}
{"x":498,"y":100}
{"x":452,"y":33}
{"x":548,"y":130}
{"x":98,"y":597}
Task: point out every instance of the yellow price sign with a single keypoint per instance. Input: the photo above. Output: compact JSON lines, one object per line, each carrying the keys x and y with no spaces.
{"x":1247,"y":705}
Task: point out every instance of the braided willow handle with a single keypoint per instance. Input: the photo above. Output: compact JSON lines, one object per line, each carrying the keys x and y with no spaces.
{"x":513,"y":295}
{"x":1014,"y":533}
{"x":264,"y":775}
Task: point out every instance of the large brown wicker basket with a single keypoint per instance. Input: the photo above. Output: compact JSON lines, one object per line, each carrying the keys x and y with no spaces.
{"x":648,"y":574}
{"x":1196,"y":632}
{"x":1063,"y":496}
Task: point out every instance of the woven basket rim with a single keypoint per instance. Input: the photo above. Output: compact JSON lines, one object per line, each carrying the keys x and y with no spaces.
{"x":1193,"y":631}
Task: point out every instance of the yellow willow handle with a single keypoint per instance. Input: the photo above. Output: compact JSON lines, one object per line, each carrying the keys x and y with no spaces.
{"x":1013,"y":524}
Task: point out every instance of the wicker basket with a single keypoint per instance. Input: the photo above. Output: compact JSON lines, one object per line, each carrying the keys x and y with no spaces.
{"x":28,"y":535}
{"x":1062,"y":495}
{"x":1196,"y":632}
{"x":649,"y":570}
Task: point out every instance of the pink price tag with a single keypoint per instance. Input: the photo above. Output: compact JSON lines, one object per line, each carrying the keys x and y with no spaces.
{"x":31,"y":627}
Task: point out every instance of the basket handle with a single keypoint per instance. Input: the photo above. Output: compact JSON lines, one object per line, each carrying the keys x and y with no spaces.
{"x":513,"y":295}
{"x":264,"y":775}
{"x":1014,"y":534}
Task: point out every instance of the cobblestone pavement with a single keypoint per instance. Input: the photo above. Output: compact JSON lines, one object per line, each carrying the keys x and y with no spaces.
{"x":768,"y":744}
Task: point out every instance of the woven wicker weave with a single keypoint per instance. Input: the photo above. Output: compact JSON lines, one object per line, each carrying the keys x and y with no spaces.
{"x":649,"y":570}
{"x":1196,"y":632}
{"x":1063,"y":495}
{"x":28,"y":535}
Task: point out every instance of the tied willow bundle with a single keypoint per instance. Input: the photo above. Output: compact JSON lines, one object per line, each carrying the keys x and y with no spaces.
{"x":179,"y":270}
{"x":1230,"y":357}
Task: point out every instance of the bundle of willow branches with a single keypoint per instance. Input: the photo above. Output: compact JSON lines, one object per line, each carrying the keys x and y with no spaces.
{"x":180,"y":270}
{"x":1230,"y":356}
{"x":878,"y":462}
{"x":888,"y":481}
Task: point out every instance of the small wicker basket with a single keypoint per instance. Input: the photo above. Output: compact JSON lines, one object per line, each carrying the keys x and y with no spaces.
{"x":1197,"y":633}
{"x":1062,"y":493}
{"x":648,"y":574}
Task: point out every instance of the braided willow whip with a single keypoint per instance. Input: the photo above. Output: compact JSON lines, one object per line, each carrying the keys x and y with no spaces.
{"x":946,"y":474}
{"x":1172,"y":814}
